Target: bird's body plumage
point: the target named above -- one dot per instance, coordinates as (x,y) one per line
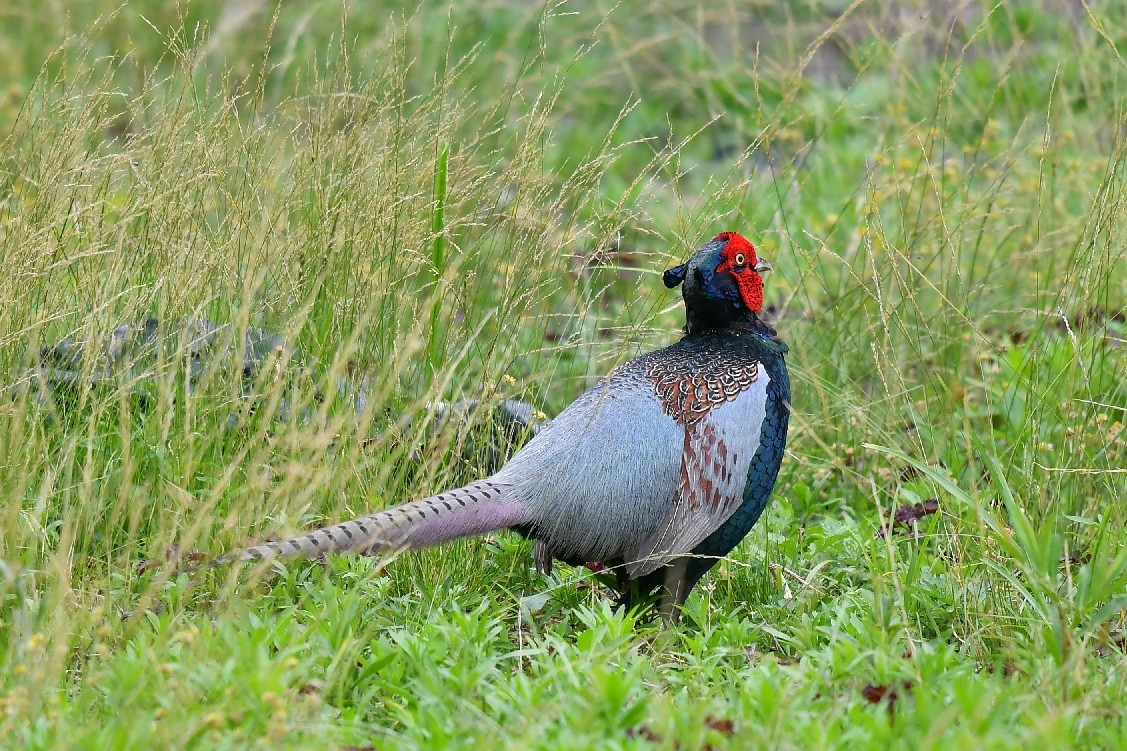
(654,458)
(659,470)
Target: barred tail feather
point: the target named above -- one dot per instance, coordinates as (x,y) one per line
(479,507)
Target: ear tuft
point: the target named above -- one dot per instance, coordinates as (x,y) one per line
(674,276)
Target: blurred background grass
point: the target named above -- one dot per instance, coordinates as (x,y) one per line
(940,189)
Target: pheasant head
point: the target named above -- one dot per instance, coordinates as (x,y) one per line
(722,283)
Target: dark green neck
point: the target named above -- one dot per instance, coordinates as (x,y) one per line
(722,317)
(714,315)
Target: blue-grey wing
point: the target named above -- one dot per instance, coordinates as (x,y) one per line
(601,477)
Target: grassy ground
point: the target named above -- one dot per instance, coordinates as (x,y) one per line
(940,189)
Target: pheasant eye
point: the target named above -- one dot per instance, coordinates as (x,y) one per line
(739,260)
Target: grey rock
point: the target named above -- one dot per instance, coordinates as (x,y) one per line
(131,356)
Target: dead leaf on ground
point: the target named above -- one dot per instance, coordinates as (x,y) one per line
(643,731)
(716,724)
(905,517)
(889,693)
(720,725)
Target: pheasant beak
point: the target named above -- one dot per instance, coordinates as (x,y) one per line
(763,266)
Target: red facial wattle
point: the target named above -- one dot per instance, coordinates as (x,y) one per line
(739,259)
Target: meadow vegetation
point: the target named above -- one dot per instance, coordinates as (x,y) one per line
(476,200)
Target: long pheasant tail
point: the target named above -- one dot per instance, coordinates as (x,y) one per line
(479,507)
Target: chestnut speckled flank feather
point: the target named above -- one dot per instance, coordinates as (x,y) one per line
(688,389)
